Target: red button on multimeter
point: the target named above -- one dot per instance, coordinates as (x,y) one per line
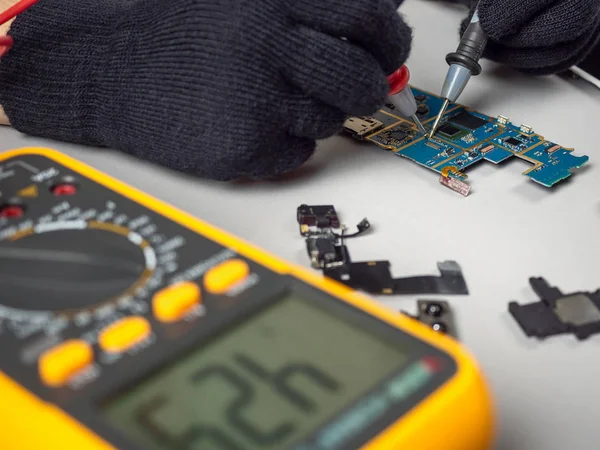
(64,189)
(12,211)
(131,325)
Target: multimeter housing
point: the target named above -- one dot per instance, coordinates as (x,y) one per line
(431,396)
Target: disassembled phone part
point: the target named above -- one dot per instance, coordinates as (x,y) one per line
(437,314)
(463,138)
(557,313)
(375,277)
(325,234)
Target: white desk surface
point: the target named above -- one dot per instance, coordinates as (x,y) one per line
(506,231)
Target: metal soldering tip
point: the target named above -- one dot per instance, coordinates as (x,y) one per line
(439,117)
(418,123)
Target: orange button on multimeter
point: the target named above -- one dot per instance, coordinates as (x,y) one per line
(220,278)
(58,365)
(124,334)
(174,302)
(291,361)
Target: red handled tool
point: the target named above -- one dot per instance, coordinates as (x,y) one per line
(402,97)
(6,42)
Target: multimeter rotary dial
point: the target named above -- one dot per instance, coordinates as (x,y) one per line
(66,267)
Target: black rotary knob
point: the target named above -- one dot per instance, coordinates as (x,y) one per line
(68,266)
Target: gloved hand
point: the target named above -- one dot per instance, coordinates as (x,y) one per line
(538,36)
(221,89)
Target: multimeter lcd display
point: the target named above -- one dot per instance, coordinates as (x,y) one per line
(269,383)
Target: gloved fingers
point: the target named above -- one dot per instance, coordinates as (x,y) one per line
(563,21)
(311,118)
(280,156)
(375,25)
(334,71)
(546,60)
(506,18)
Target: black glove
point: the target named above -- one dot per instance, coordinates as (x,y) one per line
(538,36)
(217,88)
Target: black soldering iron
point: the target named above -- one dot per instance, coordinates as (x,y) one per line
(464,63)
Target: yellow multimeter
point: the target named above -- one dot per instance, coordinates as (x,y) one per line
(127,324)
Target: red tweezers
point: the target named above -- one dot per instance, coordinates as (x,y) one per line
(6,42)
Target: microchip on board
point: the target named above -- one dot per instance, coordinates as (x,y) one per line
(398,134)
(467,120)
(448,130)
(513,141)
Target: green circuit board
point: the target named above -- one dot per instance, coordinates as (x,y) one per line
(463,138)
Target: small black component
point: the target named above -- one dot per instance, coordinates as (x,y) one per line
(319,216)
(467,120)
(420,98)
(434,309)
(436,314)
(422,109)
(322,251)
(448,130)
(557,313)
(326,253)
(512,141)
(324,234)
(524,137)
(398,134)
(439,326)
(473,155)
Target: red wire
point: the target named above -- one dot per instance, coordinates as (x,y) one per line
(6,42)
(15,10)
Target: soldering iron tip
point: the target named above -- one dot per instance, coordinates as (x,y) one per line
(418,123)
(439,117)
